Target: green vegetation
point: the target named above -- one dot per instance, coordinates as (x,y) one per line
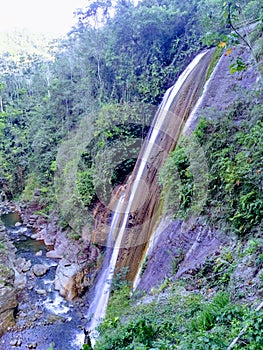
(133,55)
(112,71)
(234,158)
(118,135)
(179,320)
(206,309)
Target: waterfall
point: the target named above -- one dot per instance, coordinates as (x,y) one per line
(140,201)
(143,192)
(157,125)
(99,304)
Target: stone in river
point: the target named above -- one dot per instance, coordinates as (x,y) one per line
(41,291)
(40,270)
(39,253)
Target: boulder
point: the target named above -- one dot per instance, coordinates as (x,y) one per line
(39,253)
(55,254)
(40,270)
(8,300)
(65,281)
(26,266)
(20,280)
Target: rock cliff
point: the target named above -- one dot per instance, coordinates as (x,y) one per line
(8,300)
(175,250)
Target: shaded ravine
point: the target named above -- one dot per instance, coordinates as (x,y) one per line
(139,205)
(43,317)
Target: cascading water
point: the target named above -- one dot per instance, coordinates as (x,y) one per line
(98,307)
(142,195)
(157,127)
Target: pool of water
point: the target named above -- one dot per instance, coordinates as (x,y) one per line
(10,219)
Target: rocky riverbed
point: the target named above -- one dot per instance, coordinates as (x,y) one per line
(34,315)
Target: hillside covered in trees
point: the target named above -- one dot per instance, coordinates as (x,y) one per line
(118,55)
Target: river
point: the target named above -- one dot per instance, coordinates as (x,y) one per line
(44,320)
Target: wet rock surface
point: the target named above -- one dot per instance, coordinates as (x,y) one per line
(77,258)
(143,205)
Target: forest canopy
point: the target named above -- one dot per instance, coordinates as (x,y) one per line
(119,55)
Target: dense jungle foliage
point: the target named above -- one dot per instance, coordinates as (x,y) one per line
(119,55)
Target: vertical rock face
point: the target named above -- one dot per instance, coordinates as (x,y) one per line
(182,250)
(145,203)
(8,300)
(223,88)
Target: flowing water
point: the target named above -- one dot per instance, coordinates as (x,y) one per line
(43,317)
(129,202)
(97,310)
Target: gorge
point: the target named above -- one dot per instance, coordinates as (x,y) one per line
(131,178)
(136,209)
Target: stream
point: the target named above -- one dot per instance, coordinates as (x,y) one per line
(44,320)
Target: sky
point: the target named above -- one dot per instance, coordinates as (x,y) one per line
(44,16)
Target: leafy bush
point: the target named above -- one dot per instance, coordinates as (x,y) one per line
(177,180)
(85,186)
(179,322)
(253,335)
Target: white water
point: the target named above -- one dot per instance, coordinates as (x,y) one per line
(160,117)
(194,113)
(168,99)
(98,307)
(102,292)
(56,305)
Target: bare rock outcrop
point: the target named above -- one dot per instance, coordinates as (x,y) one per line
(72,279)
(177,250)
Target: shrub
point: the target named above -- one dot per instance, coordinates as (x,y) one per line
(234,159)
